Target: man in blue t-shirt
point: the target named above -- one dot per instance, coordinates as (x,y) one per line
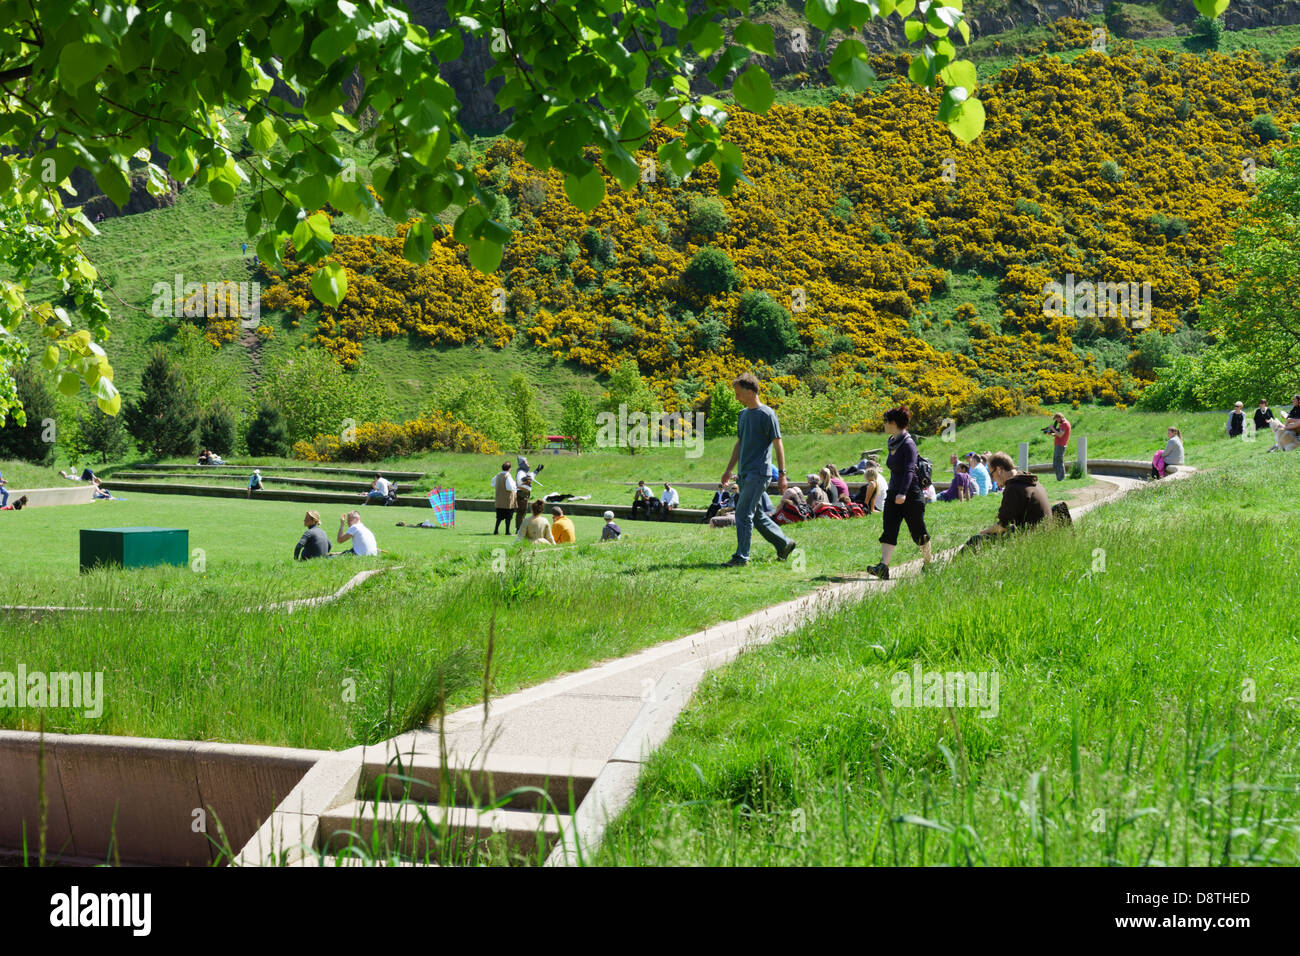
(757,433)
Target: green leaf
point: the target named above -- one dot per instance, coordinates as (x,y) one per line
(112,404)
(81,62)
(329,46)
(905,8)
(330,284)
(849,66)
(918,71)
(584,191)
(913,29)
(69,383)
(967,120)
(960,73)
(1210,8)
(709,39)
(313,191)
(262,135)
(755,36)
(753,90)
(221,191)
(50,360)
(484,255)
(820,13)
(623,167)
(419,240)
(183,165)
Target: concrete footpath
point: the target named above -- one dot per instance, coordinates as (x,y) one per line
(586,715)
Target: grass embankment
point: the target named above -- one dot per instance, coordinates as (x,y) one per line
(1146,715)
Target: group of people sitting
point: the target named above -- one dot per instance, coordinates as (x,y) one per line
(207,457)
(315,543)
(538,530)
(1286,432)
(646,505)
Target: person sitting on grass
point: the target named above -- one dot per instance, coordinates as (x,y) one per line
(363,539)
(1237,421)
(255,482)
(835,481)
(611,531)
(4,493)
(1024,501)
(98,491)
(872,493)
(828,488)
(962,486)
(816,495)
(314,543)
(1263,415)
(1292,423)
(1172,454)
(668,501)
(18,505)
(562,529)
(523,494)
(536,529)
(979,473)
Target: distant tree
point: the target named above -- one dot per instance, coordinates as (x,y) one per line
(764,329)
(521,403)
(217,428)
(29,433)
(267,434)
(475,399)
(628,394)
(100,434)
(1265,127)
(578,420)
(164,421)
(706,216)
(724,411)
(711,272)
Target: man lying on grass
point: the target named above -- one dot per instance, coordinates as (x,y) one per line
(1024,501)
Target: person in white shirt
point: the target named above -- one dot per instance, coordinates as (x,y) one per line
(668,500)
(379,490)
(363,539)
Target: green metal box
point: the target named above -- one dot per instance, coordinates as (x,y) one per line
(134,547)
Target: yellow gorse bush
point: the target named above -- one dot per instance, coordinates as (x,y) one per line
(1119,168)
(374,441)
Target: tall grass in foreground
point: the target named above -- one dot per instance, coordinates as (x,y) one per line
(1147,714)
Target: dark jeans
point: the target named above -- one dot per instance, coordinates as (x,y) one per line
(1058,461)
(913,512)
(640,505)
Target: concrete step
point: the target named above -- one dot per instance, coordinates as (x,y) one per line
(420,777)
(331,484)
(363,472)
(416,831)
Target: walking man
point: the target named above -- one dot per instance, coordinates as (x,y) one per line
(1060,432)
(503,493)
(758,433)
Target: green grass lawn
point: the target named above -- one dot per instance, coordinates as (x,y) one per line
(186,659)
(1146,712)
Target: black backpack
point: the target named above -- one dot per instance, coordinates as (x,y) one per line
(924,471)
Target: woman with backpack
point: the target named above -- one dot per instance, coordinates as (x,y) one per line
(905,497)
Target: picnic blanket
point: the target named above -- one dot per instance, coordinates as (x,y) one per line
(443,503)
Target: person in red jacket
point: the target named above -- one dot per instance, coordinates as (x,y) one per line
(1060,432)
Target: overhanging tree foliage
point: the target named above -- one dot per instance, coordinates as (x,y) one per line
(97,85)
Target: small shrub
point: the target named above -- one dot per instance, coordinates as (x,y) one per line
(1111,171)
(1265,127)
(711,272)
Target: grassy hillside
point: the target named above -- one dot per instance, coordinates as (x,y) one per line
(1145,711)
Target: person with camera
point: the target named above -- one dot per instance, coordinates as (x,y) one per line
(1024,501)
(1060,432)
(905,497)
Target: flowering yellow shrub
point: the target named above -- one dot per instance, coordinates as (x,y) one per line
(1120,168)
(434,431)
(218,305)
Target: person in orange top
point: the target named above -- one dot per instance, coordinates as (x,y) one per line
(562,528)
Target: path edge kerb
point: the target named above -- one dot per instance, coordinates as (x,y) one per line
(616,784)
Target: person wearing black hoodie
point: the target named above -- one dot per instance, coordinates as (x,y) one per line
(905,497)
(1024,501)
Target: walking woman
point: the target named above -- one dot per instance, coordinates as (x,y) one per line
(905,498)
